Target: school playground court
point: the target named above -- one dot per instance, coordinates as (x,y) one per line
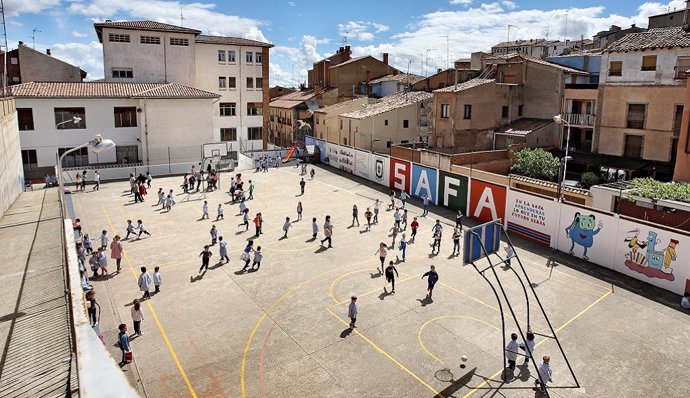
(282,331)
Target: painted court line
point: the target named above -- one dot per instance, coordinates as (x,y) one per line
(155,318)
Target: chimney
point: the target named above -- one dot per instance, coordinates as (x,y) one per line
(21,43)
(108,20)
(48,51)
(385,58)
(632,26)
(348,54)
(439,70)
(317,89)
(368,78)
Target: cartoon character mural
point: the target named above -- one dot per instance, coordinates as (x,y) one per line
(653,263)
(581,232)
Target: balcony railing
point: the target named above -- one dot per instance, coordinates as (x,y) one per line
(580,119)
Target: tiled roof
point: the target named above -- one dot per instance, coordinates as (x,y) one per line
(554,65)
(522,127)
(108,90)
(464,86)
(550,184)
(651,39)
(297,96)
(523,43)
(233,41)
(146,25)
(284,104)
(351,60)
(400,77)
(389,103)
(339,105)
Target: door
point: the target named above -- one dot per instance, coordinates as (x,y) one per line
(633,146)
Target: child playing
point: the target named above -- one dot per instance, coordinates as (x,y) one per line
(286,226)
(223,249)
(257,258)
(102,261)
(157,279)
(204,209)
(130,229)
(312,173)
(169,201)
(161,197)
(214,234)
(245,220)
(86,241)
(219,212)
(205,258)
(314,228)
(368,214)
(299,211)
(104,239)
(142,229)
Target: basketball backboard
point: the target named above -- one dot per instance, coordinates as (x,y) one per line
(215,149)
(488,235)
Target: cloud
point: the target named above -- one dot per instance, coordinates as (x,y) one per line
(359,30)
(289,65)
(461,2)
(80,34)
(87,56)
(198,15)
(509,5)
(291,3)
(16,7)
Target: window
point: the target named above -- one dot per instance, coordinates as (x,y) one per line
(123,73)
(250,57)
(406,124)
(250,82)
(231,56)
(125,116)
(385,122)
(341,124)
(677,120)
(231,82)
(150,40)
(126,154)
(227,109)
(316,117)
(25,117)
(649,62)
(221,56)
(258,57)
(445,111)
(179,41)
(423,121)
(682,66)
(259,83)
(222,82)
(29,160)
(520,109)
(616,68)
(64,118)
(14,60)
(228,134)
(77,158)
(468,112)
(256,133)
(255,108)
(636,116)
(118,38)
(505,111)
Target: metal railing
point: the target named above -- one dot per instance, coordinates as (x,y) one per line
(580,119)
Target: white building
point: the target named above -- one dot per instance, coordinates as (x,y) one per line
(150,123)
(234,68)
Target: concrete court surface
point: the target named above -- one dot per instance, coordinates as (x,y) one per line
(282,331)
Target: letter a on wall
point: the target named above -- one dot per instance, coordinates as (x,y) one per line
(487,201)
(424,181)
(400,171)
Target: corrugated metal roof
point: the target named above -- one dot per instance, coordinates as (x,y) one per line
(522,127)
(108,90)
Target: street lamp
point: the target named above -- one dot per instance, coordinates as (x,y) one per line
(98,145)
(559,120)
(74,119)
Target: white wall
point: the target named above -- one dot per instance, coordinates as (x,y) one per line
(100,119)
(632,64)
(209,69)
(151,63)
(12,176)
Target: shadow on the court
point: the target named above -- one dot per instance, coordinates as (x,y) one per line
(456,385)
(345,333)
(426,301)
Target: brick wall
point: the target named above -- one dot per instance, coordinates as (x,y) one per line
(679,219)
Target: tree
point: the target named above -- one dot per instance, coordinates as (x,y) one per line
(536,163)
(588,179)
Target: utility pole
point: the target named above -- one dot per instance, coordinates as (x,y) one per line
(33,37)
(181,17)
(508,41)
(427,61)
(565,30)
(447,50)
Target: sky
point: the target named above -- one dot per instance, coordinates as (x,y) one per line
(420,35)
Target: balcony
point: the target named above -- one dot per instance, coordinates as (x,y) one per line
(580,119)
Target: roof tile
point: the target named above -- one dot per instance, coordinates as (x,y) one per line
(651,39)
(389,103)
(233,41)
(146,25)
(108,90)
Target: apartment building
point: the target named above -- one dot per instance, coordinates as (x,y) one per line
(444,78)
(24,64)
(391,84)
(326,121)
(234,68)
(150,123)
(538,48)
(512,101)
(641,95)
(395,119)
(291,114)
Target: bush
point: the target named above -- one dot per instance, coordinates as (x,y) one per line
(655,190)
(588,179)
(536,163)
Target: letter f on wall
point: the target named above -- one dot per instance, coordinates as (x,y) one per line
(448,191)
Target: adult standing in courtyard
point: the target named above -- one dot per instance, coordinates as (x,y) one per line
(116,251)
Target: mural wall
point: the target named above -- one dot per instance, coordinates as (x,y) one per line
(647,253)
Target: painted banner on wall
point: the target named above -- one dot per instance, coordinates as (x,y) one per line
(363,164)
(487,201)
(652,255)
(424,181)
(587,234)
(452,191)
(380,169)
(323,154)
(341,157)
(531,216)
(400,173)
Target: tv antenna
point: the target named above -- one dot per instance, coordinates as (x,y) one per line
(182,18)
(33,37)
(347,32)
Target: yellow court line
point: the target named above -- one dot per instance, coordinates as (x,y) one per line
(606,288)
(155,318)
(421,329)
(589,307)
(243,368)
(384,353)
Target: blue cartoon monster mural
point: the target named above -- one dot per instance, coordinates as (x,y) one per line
(582,231)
